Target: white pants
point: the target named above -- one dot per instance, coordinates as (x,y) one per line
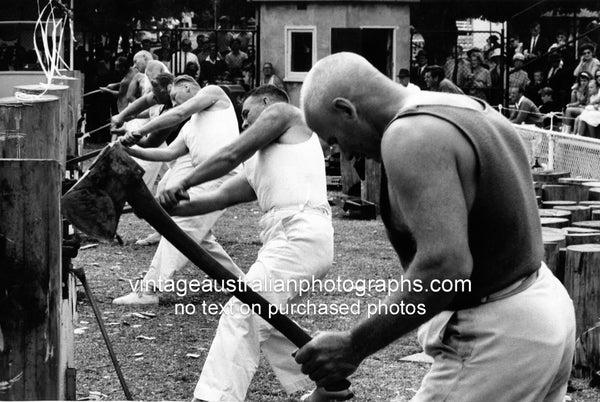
(167,258)
(296,246)
(518,348)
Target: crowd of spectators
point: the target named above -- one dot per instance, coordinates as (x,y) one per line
(551,83)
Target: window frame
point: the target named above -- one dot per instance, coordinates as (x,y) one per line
(298,76)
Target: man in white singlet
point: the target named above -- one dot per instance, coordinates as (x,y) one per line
(287,177)
(212,125)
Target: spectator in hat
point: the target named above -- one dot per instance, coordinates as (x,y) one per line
(587,62)
(495,66)
(418,71)
(525,111)
(437,82)
(518,77)
(404,80)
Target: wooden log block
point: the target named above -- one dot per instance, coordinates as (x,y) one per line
(595,215)
(582,281)
(371,186)
(549,176)
(563,192)
(590,184)
(575,229)
(595,225)
(74,109)
(30,252)
(560,270)
(574,180)
(554,222)
(553,239)
(592,204)
(594,194)
(62,93)
(552,204)
(30,130)
(350,178)
(587,353)
(578,212)
(537,186)
(554,213)
(582,238)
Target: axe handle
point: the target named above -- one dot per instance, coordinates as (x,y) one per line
(84,157)
(146,207)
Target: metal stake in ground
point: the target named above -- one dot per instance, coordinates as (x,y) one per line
(80,274)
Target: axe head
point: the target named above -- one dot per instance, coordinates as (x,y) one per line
(94,204)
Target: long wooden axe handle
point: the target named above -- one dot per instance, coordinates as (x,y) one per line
(147,208)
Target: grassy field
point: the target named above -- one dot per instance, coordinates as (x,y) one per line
(161,357)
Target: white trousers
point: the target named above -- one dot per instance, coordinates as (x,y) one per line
(167,258)
(296,246)
(518,348)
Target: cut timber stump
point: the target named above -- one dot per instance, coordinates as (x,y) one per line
(554,213)
(587,353)
(595,225)
(61,92)
(554,222)
(30,279)
(553,239)
(574,180)
(549,176)
(582,280)
(74,109)
(31,128)
(578,212)
(594,194)
(552,204)
(563,192)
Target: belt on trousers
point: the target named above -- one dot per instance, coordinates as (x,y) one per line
(319,209)
(512,289)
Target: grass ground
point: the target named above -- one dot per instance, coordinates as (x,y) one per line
(165,365)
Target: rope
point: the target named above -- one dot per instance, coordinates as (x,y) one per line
(544,115)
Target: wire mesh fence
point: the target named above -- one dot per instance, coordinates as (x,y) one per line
(564,152)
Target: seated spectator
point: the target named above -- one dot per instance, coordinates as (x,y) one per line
(181,58)
(514,46)
(212,67)
(587,62)
(235,59)
(580,97)
(532,90)
(548,107)
(535,45)
(270,78)
(518,78)
(589,119)
(404,80)
(478,80)
(436,81)
(558,79)
(525,111)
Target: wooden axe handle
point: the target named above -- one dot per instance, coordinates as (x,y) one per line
(146,207)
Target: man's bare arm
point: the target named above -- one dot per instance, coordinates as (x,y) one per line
(270,125)
(176,149)
(421,158)
(234,191)
(134,109)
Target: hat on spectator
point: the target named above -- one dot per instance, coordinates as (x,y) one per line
(403,73)
(473,50)
(519,56)
(586,75)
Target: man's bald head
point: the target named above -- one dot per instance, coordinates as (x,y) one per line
(154,68)
(141,60)
(342,98)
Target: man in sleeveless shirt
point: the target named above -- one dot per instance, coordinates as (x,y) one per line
(212,125)
(458,204)
(284,170)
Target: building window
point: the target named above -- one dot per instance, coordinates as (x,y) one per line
(300,51)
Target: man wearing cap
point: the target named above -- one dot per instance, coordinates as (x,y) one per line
(404,80)
(436,82)
(588,62)
(418,72)
(518,77)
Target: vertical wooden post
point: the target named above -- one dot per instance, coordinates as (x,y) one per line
(582,280)
(349,176)
(371,186)
(578,212)
(62,92)
(38,121)
(30,279)
(553,239)
(74,109)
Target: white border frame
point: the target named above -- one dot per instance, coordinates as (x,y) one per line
(298,76)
